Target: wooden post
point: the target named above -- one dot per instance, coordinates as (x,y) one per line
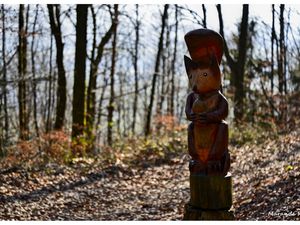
(207,108)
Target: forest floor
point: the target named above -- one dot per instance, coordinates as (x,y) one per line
(266,185)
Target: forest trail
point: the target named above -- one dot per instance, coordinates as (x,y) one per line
(266,180)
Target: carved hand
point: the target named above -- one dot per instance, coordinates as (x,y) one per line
(198,117)
(212,117)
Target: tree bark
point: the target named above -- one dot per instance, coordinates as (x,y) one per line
(281,74)
(90,105)
(22,69)
(242,51)
(135,66)
(229,59)
(5,106)
(237,66)
(111,104)
(55,24)
(98,123)
(165,73)
(120,105)
(174,63)
(79,72)
(273,37)
(48,121)
(95,61)
(156,71)
(33,74)
(204,16)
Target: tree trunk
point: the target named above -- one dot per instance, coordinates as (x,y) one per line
(6,124)
(242,50)
(111,103)
(33,74)
(273,37)
(55,24)
(48,122)
(120,105)
(173,64)
(156,70)
(135,66)
(95,61)
(79,72)
(22,49)
(98,123)
(204,16)
(166,71)
(237,66)
(281,74)
(90,105)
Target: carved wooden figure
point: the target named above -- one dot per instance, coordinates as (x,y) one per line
(207,108)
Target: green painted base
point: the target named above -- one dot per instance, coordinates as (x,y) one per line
(211,192)
(192,213)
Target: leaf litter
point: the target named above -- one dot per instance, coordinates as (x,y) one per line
(266,186)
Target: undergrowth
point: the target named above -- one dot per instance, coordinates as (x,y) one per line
(253,133)
(165,142)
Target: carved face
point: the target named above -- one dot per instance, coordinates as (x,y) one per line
(203,77)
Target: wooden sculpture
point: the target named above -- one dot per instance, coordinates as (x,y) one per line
(207,108)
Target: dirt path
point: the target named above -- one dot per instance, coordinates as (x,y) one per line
(266,186)
(118,193)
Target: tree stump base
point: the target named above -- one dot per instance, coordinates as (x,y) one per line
(193,213)
(211,198)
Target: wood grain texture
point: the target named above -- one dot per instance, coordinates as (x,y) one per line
(211,192)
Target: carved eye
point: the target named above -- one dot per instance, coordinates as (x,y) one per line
(205,74)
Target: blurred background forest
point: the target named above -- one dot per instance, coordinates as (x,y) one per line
(78,79)
(92,122)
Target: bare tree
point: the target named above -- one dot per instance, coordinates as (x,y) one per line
(100,104)
(5,106)
(49,86)
(96,57)
(110,107)
(135,66)
(273,38)
(237,66)
(171,111)
(22,69)
(163,86)
(79,72)
(204,16)
(55,24)
(156,70)
(34,84)
(282,54)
